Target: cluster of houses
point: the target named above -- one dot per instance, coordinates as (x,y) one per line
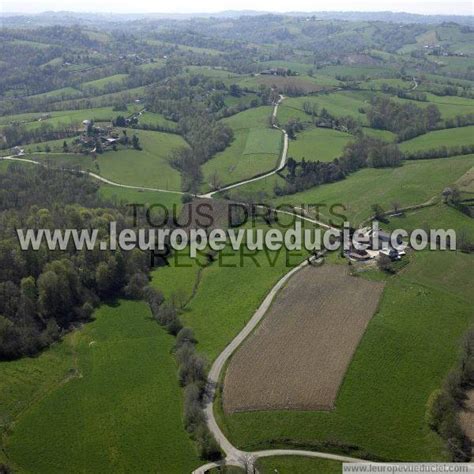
(439,50)
(93,134)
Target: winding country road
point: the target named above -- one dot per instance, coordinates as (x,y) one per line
(282,164)
(233,456)
(92,175)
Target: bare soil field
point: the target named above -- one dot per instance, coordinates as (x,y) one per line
(297,357)
(210,214)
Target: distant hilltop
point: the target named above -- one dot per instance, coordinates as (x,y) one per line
(67,17)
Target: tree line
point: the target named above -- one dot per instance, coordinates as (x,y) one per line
(361,153)
(439,152)
(192,368)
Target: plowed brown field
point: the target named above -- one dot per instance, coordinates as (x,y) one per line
(297,357)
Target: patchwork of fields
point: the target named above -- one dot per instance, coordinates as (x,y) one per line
(409,346)
(292,361)
(346,357)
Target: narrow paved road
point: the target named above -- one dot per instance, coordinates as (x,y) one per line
(281,165)
(233,456)
(92,175)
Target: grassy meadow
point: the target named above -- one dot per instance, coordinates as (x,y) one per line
(148,167)
(318,144)
(448,137)
(255,149)
(336,103)
(104,399)
(252,276)
(135,196)
(439,216)
(414,182)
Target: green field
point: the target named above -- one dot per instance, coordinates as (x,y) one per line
(101,84)
(287,112)
(56,146)
(413,183)
(298,465)
(377,84)
(337,104)
(321,144)
(385,135)
(216,315)
(66,160)
(357,71)
(104,399)
(440,216)
(209,71)
(264,141)
(64,93)
(448,106)
(31,44)
(255,149)
(98,114)
(448,137)
(150,118)
(148,167)
(407,350)
(179,279)
(258,117)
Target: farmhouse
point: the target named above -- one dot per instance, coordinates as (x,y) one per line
(374,243)
(18,151)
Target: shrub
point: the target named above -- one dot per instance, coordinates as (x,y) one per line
(135,287)
(185,336)
(4,469)
(193,414)
(207,445)
(193,370)
(186,197)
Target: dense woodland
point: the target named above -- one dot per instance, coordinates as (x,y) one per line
(43,293)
